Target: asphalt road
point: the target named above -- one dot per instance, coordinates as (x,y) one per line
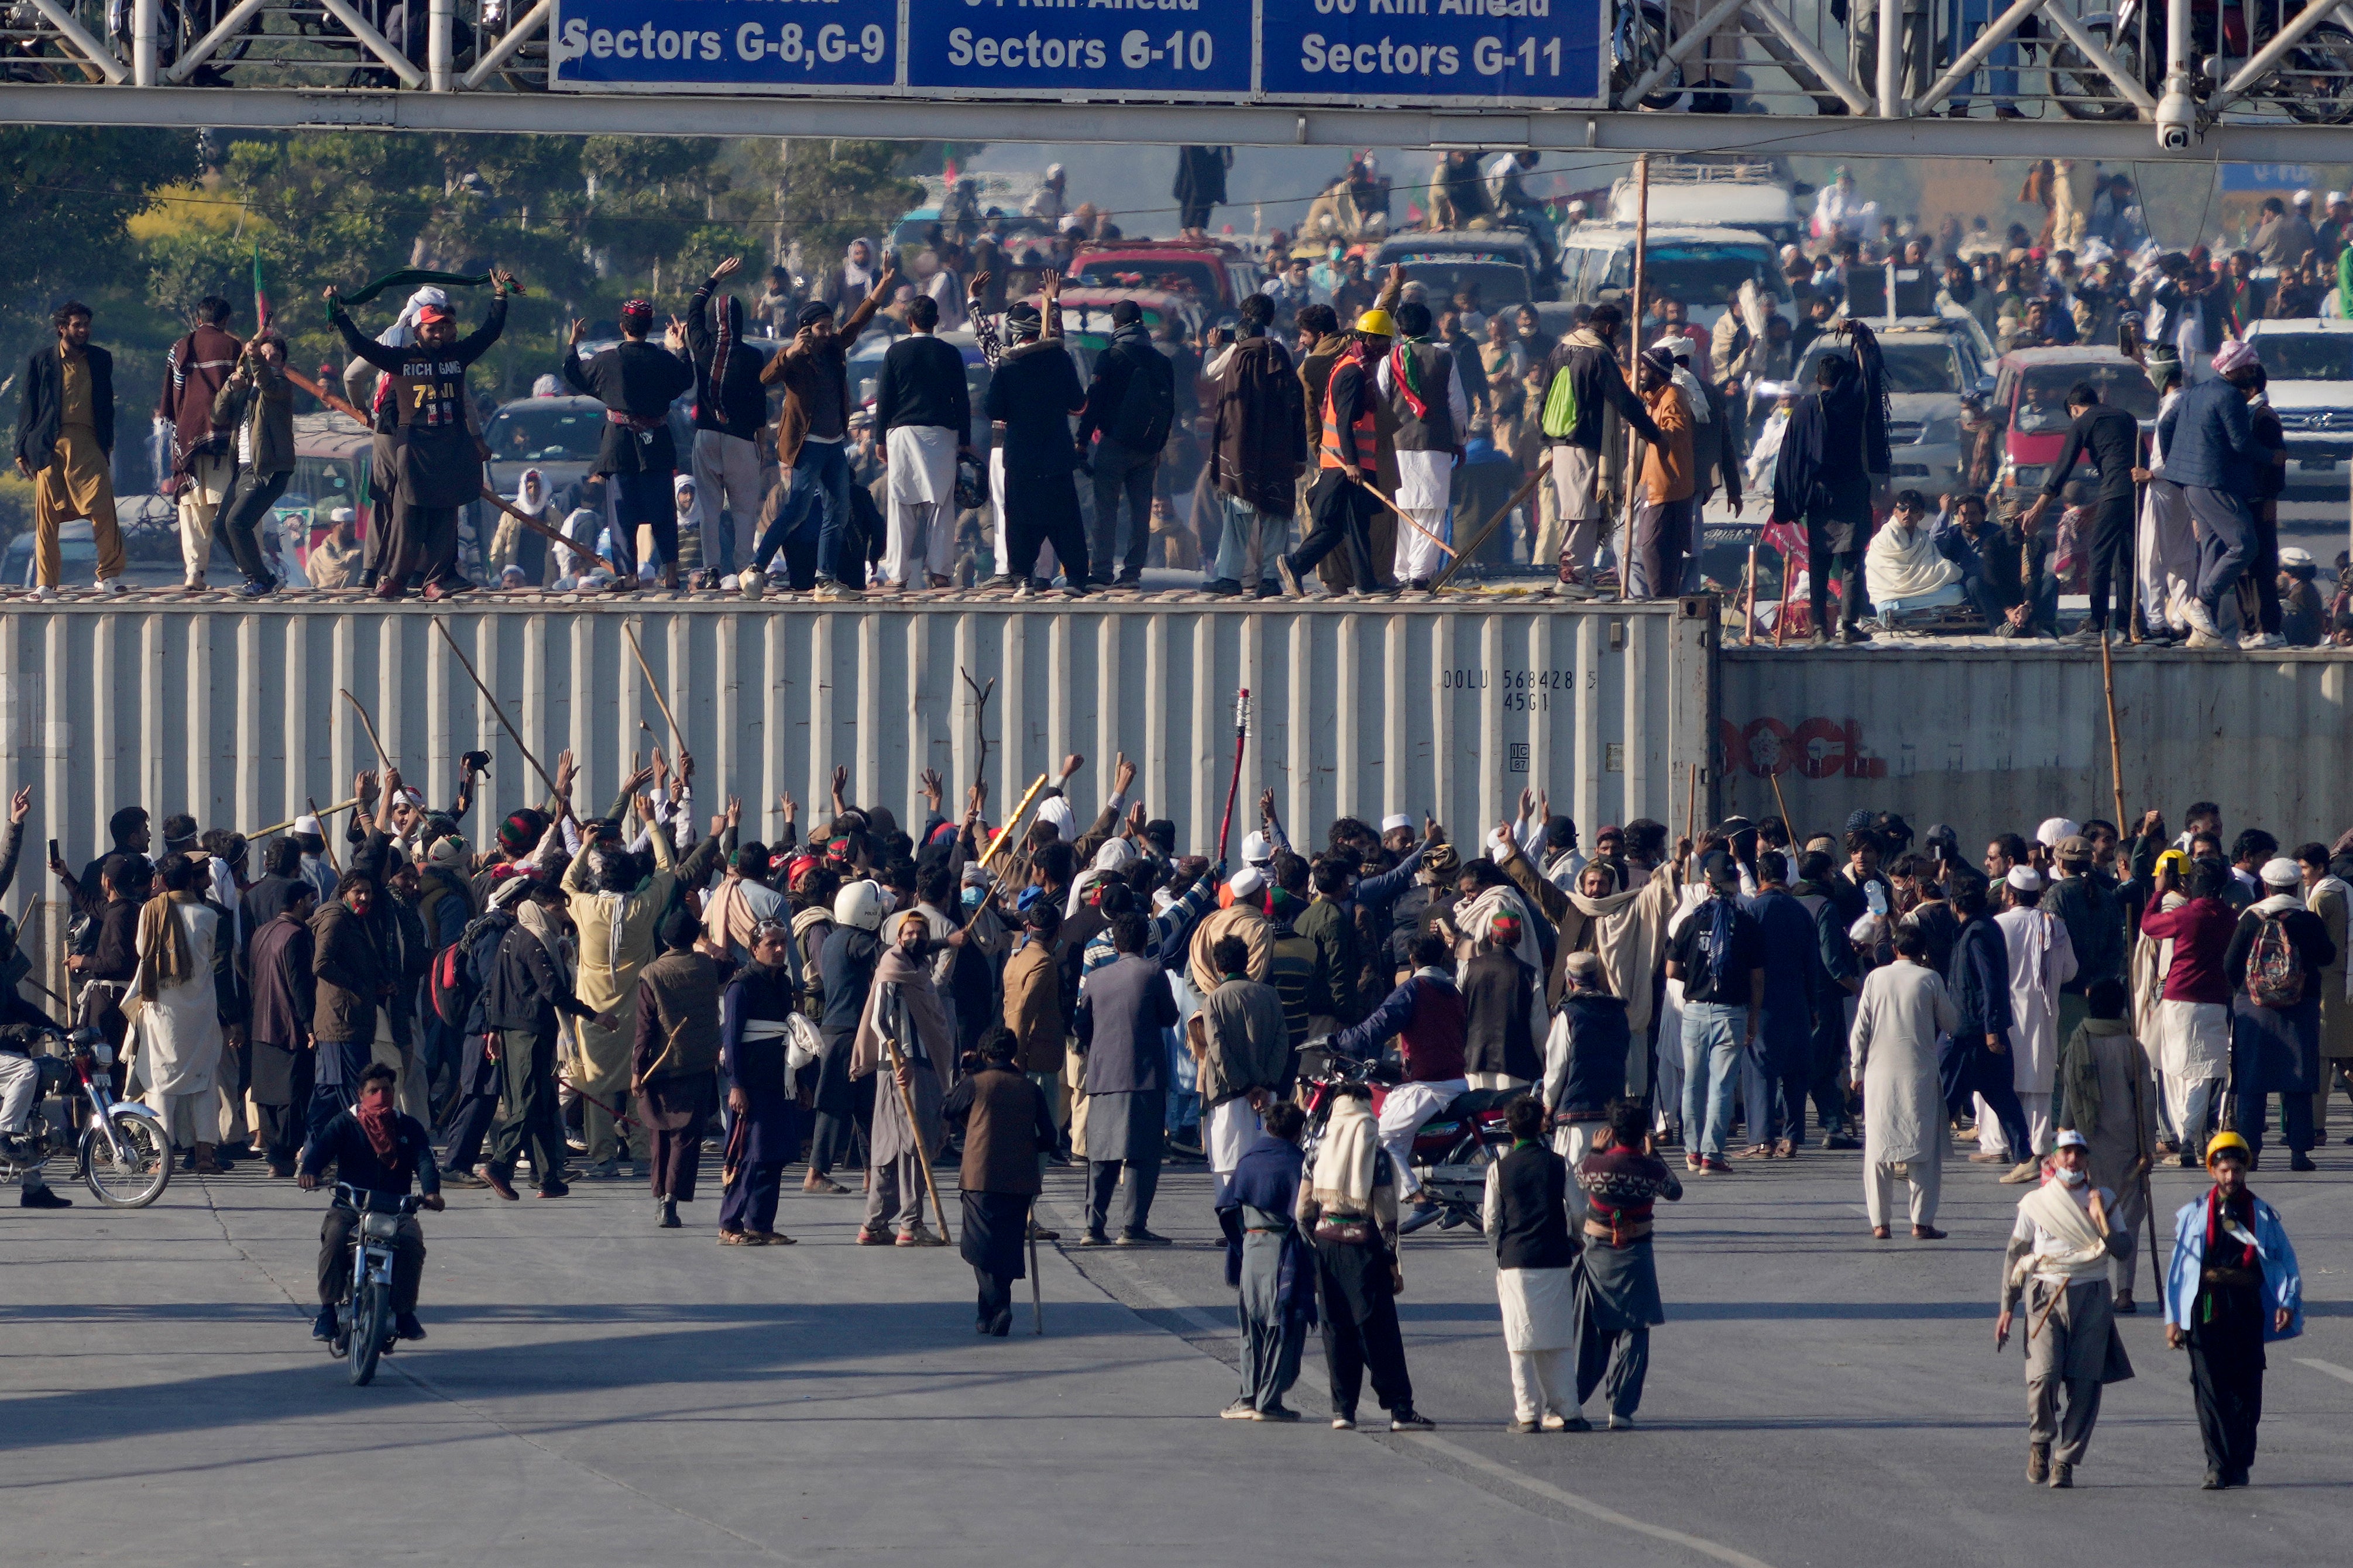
(596,1391)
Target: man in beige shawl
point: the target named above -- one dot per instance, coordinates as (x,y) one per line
(2057,1263)
(1349,1207)
(178,1000)
(1627,930)
(904,1034)
(614,907)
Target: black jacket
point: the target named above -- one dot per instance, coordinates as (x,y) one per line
(526,990)
(738,406)
(344,1142)
(923,384)
(1497,990)
(1033,393)
(1599,1040)
(1595,376)
(1979,979)
(1534,1230)
(2112,438)
(2306,933)
(1129,355)
(640,380)
(41,412)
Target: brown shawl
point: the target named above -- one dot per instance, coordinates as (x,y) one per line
(922,1000)
(164,956)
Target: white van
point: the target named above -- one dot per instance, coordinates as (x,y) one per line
(1702,265)
(1750,195)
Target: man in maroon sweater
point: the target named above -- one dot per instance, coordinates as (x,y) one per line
(2192,1033)
(1427,1016)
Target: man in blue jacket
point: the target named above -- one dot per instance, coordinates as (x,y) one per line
(2233,1286)
(2208,440)
(1977,1059)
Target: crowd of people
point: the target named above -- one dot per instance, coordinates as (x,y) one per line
(609,998)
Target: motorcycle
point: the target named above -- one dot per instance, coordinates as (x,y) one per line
(123,1156)
(1451,1153)
(363,1332)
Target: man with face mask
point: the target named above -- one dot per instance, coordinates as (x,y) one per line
(440,461)
(2057,1261)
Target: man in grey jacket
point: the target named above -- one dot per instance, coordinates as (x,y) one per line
(1123,1008)
(1244,1047)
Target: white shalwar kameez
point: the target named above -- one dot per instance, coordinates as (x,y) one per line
(922,464)
(2042,959)
(179,1037)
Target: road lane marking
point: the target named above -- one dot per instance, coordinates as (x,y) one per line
(1586,1506)
(2342,1374)
(1169,1301)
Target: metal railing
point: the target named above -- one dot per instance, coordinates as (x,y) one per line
(2279,61)
(431,46)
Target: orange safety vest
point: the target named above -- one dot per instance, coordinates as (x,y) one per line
(1366,451)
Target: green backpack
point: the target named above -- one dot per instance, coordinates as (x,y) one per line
(1560,406)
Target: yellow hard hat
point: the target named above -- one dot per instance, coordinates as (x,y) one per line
(2227,1144)
(1376,322)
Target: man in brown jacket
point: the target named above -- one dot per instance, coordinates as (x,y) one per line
(1006,1132)
(673,1060)
(812,445)
(1258,446)
(1033,1008)
(352,984)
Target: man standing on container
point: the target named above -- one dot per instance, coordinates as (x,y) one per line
(65,444)
(924,411)
(1424,397)
(636,457)
(729,409)
(1836,442)
(203,459)
(2208,439)
(1575,423)
(812,441)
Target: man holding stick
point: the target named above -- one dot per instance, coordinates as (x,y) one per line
(904,1032)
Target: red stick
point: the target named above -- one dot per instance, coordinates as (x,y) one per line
(1241,731)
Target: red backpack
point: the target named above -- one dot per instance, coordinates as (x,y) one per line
(2274,973)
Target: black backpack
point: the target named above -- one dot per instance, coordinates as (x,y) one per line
(1147,409)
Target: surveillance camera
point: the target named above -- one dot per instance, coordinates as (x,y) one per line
(2177,121)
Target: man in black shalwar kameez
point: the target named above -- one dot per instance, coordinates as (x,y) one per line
(1834,451)
(767,1134)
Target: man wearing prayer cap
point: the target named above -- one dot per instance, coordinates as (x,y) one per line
(2057,1264)
(311,839)
(2274,965)
(2212,453)
(2042,959)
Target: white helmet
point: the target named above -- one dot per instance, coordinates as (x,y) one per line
(1258,849)
(859,904)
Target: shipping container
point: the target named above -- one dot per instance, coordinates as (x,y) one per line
(236,715)
(1997,739)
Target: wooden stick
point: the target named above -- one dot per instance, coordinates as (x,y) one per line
(2115,751)
(1778,800)
(499,713)
(678,739)
(1037,1300)
(1690,801)
(1633,358)
(915,1129)
(1748,616)
(980,696)
(532,522)
(1409,519)
(333,400)
(383,755)
(321,815)
(1006,832)
(326,840)
(1471,549)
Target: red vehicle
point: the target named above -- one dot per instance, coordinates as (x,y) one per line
(1212,271)
(1452,1151)
(2030,397)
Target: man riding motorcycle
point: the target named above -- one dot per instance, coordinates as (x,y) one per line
(22,1026)
(377,1149)
(1426,1016)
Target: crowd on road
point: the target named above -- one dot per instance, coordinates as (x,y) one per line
(609,998)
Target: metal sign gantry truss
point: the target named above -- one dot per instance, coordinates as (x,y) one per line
(2038,78)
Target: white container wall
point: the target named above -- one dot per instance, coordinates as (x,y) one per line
(1994,741)
(234,715)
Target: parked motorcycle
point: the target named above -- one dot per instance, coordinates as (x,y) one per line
(1450,1153)
(364,1330)
(124,1154)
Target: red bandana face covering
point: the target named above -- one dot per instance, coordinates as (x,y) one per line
(375,1118)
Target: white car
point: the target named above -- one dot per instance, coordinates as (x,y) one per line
(2310,364)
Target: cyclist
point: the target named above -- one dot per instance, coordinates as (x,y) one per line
(377,1149)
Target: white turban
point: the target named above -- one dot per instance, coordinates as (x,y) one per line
(2232,356)
(1056,809)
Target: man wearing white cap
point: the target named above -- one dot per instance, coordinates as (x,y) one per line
(2334,230)
(2274,965)
(2046,840)
(2042,959)
(314,870)
(2057,1260)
